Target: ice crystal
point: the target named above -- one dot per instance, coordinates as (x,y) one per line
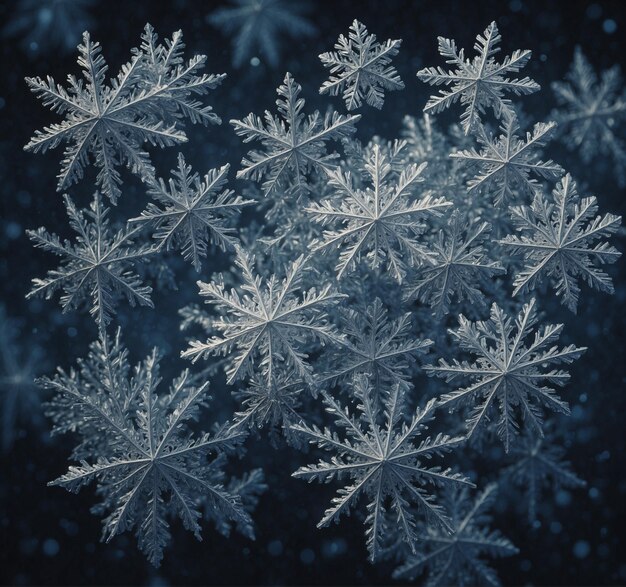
(195,212)
(99,265)
(378,222)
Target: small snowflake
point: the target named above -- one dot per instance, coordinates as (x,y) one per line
(478,83)
(359,68)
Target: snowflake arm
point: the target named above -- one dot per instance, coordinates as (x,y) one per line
(145,103)
(268,322)
(511,373)
(479,83)
(293,144)
(505,164)
(99,265)
(360,68)
(457,265)
(195,212)
(384,460)
(379,222)
(558,240)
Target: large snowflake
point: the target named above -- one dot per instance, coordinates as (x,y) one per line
(511,373)
(386,459)
(270,321)
(479,83)
(146,102)
(379,222)
(561,240)
(141,451)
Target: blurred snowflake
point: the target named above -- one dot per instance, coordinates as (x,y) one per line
(257,25)
(44,25)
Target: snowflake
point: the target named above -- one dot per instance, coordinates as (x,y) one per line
(506,163)
(456,558)
(557,241)
(378,222)
(146,451)
(49,24)
(359,68)
(271,401)
(146,102)
(293,145)
(381,457)
(194,211)
(98,265)
(457,264)
(479,83)
(540,463)
(593,115)
(376,345)
(269,320)
(510,372)
(258,24)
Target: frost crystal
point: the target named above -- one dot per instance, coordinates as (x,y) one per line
(146,102)
(479,83)
(456,558)
(195,212)
(385,458)
(558,241)
(376,345)
(510,371)
(456,266)
(359,68)
(539,464)
(49,24)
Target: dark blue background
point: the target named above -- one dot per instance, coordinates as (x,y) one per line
(48,536)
